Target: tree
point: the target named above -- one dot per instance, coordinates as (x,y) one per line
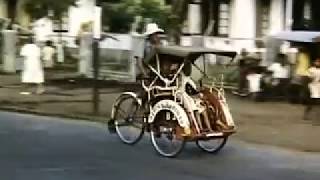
(176,17)
(119,16)
(40,8)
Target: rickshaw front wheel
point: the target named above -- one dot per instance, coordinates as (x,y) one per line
(212,145)
(129,119)
(163,135)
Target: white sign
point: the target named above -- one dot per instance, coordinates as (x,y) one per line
(173,107)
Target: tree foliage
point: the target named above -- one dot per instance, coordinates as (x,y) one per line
(39,8)
(120,16)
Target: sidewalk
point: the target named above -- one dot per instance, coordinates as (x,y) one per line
(66,96)
(273,123)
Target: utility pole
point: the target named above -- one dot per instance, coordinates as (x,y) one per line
(95,64)
(95,58)
(97,37)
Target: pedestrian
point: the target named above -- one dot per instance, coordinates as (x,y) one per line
(32,72)
(280,75)
(243,66)
(314,87)
(298,89)
(48,52)
(254,78)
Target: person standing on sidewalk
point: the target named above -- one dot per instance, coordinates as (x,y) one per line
(32,72)
(48,52)
(314,88)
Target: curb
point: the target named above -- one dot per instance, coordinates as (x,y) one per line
(91,118)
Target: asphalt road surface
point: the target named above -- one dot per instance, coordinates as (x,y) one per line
(43,148)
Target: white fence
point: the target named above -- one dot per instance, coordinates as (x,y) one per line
(117,57)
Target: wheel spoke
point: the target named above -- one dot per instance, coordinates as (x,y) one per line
(122,112)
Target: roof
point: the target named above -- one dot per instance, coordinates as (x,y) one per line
(298,36)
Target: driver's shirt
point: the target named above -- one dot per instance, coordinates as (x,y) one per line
(149,50)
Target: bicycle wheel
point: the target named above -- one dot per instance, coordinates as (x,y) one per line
(128,120)
(212,145)
(163,134)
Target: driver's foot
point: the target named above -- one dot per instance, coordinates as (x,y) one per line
(187,132)
(111,126)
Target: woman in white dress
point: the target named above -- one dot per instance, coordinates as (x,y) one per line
(32,72)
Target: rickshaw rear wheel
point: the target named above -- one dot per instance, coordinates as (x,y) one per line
(129,119)
(212,145)
(163,135)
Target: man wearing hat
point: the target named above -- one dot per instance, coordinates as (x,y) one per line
(152,42)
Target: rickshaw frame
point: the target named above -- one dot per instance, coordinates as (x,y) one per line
(166,92)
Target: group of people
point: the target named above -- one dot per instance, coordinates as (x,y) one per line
(35,59)
(279,79)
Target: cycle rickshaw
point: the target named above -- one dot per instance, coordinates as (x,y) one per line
(173,109)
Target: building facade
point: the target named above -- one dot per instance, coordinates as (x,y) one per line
(10,9)
(241,23)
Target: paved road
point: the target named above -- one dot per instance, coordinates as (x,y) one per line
(54,149)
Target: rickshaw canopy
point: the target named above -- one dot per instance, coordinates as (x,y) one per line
(190,54)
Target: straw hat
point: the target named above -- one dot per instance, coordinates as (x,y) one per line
(152,28)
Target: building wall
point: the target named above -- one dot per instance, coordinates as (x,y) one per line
(277,16)
(194,19)
(243,22)
(245,26)
(22,17)
(3,8)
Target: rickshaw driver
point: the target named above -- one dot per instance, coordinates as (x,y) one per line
(153,41)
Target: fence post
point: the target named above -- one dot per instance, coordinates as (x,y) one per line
(85,53)
(9,50)
(95,64)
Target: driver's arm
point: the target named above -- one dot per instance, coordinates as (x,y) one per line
(141,66)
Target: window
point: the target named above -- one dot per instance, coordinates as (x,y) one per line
(307,10)
(263,17)
(265,21)
(223,19)
(64,23)
(216,17)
